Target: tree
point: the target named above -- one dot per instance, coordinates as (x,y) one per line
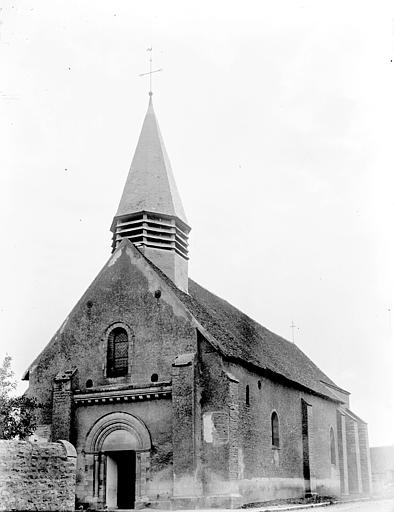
(17,413)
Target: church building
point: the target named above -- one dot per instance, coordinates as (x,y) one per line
(172,397)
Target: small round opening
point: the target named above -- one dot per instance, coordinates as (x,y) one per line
(259,384)
(154,377)
(89,383)
(158,294)
(89,304)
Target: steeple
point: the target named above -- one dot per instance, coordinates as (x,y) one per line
(150,212)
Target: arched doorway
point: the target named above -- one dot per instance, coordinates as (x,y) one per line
(121,444)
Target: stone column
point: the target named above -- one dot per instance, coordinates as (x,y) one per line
(141,477)
(101,478)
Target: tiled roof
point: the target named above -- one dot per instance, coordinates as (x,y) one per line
(242,338)
(352,415)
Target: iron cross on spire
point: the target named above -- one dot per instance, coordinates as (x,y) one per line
(150,72)
(292,327)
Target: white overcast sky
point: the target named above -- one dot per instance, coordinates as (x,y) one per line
(278,119)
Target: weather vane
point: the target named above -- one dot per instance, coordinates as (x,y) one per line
(150,72)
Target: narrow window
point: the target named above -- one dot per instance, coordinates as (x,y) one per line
(275,430)
(247,397)
(117,353)
(332,446)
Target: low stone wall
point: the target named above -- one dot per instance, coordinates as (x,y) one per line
(37,476)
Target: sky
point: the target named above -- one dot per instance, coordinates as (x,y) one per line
(277,117)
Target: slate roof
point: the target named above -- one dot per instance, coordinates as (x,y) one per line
(150,185)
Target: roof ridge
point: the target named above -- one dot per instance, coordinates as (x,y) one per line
(270,346)
(233,333)
(74,308)
(165,158)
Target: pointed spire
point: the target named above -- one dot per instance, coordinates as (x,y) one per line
(150,212)
(150,185)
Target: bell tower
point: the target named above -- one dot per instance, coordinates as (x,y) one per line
(150,212)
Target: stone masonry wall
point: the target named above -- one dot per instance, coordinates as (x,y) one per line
(353,456)
(220,415)
(157,416)
(62,406)
(37,476)
(342,453)
(186,481)
(365,462)
(266,472)
(123,294)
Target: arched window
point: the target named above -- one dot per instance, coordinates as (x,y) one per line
(275,430)
(247,395)
(332,446)
(117,353)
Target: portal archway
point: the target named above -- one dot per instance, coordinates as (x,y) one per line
(120,443)
(116,421)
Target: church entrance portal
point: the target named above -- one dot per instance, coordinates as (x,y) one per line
(120,479)
(120,446)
